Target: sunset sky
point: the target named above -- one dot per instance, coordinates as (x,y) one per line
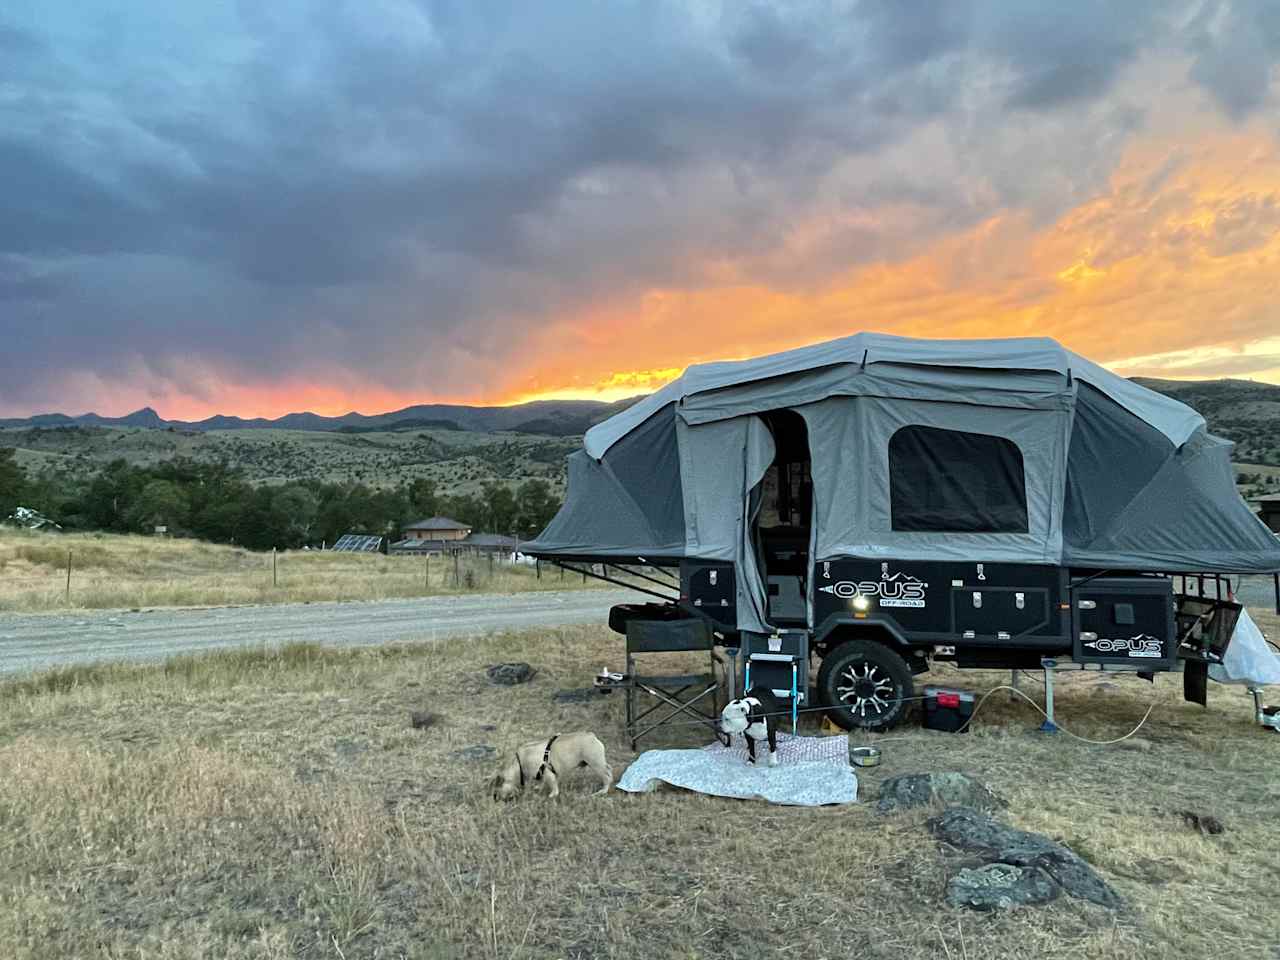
(260,208)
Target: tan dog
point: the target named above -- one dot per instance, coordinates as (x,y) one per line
(546,761)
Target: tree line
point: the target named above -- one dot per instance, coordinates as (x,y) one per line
(213,501)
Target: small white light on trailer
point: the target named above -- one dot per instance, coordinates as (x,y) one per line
(860,602)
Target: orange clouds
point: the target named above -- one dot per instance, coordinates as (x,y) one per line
(1173,270)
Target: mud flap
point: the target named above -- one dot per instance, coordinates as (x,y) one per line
(1195,681)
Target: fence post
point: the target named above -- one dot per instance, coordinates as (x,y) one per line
(537,565)
(275,580)
(68,576)
(426,572)
(457,577)
(491,564)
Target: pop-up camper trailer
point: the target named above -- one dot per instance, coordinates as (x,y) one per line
(880,502)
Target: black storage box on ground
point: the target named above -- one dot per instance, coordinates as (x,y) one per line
(947,710)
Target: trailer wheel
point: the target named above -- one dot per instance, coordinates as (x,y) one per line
(867,685)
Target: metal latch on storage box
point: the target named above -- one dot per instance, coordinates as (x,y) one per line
(1088,604)
(977,599)
(1087,636)
(1020,601)
(714,575)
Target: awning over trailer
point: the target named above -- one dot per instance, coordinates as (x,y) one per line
(629,504)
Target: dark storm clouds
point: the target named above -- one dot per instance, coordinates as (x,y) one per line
(193,198)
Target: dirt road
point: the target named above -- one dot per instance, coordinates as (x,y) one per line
(29,642)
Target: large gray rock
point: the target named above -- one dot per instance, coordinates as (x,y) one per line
(976,833)
(922,789)
(509,674)
(1000,886)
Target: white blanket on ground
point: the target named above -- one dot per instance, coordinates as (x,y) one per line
(811,771)
(1248,658)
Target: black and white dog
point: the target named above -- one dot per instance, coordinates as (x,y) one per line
(755,716)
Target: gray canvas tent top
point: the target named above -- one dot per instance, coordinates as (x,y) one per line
(1092,471)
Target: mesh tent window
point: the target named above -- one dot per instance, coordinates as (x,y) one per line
(949,481)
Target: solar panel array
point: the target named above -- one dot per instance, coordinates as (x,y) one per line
(357,543)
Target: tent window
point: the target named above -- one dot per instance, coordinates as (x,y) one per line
(953,482)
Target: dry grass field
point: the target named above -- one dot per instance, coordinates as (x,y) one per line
(257,804)
(113,571)
(459,461)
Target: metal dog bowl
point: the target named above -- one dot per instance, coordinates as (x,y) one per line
(865,756)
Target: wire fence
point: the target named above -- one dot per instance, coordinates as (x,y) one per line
(93,581)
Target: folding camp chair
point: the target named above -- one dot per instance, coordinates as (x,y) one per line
(683,694)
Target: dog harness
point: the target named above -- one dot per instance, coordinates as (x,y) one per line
(546,762)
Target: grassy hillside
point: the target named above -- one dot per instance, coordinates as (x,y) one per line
(121,572)
(264,805)
(460,462)
(1243,411)
(461,457)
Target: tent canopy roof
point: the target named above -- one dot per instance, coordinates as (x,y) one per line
(1028,354)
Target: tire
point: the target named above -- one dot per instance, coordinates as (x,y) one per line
(876,673)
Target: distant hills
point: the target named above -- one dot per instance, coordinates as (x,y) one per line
(556,418)
(1243,411)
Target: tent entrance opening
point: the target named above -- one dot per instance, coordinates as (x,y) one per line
(780,531)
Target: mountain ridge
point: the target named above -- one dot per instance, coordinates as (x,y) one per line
(546,417)
(1245,411)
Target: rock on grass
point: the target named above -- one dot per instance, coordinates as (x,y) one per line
(922,789)
(1000,886)
(421,719)
(974,832)
(509,674)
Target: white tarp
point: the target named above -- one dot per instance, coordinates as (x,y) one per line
(1249,659)
(811,772)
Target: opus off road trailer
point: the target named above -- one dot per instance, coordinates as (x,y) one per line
(880,502)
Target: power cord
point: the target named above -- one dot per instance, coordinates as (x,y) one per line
(1096,743)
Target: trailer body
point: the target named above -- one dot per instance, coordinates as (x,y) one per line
(877,503)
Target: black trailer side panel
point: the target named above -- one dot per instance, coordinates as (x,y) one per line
(711,588)
(946,602)
(1125,620)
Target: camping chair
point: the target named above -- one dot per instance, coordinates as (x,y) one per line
(683,695)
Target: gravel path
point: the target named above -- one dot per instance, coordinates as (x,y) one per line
(32,641)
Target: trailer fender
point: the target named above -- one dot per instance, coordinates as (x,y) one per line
(839,622)
(839,628)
